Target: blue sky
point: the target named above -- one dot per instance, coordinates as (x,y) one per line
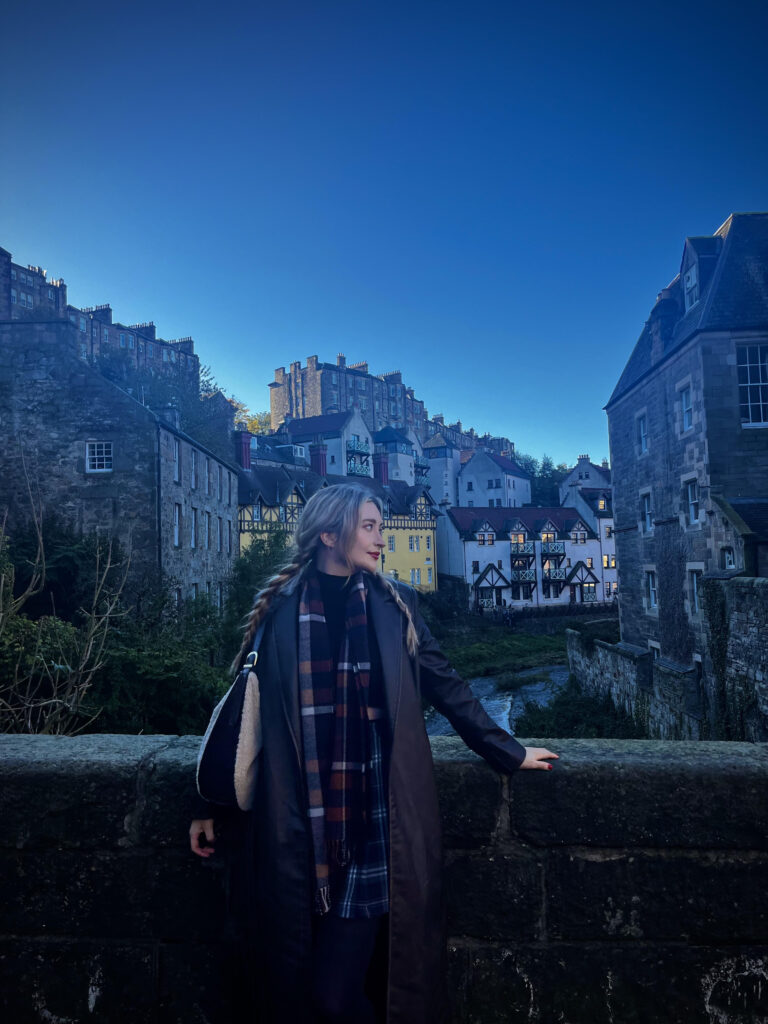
(486,196)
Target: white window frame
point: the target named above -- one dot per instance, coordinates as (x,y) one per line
(686,408)
(391,543)
(176,524)
(176,460)
(692,501)
(647,514)
(651,589)
(99,457)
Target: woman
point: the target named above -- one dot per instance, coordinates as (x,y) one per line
(345,833)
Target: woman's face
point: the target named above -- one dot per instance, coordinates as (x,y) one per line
(364,549)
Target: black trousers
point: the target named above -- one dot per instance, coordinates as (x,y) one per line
(349,969)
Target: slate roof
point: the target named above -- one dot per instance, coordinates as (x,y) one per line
(438,441)
(734,291)
(273,484)
(508,465)
(388,435)
(754,512)
(331,423)
(469,520)
(592,496)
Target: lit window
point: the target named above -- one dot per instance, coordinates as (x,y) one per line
(686,408)
(490,538)
(605,561)
(601,505)
(753,383)
(98,457)
(613,561)
(590,563)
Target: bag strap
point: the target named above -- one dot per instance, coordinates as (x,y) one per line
(252,658)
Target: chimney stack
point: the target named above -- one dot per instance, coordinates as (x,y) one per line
(381,467)
(317,458)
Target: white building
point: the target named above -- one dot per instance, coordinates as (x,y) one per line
(522,557)
(339,443)
(488,480)
(587,488)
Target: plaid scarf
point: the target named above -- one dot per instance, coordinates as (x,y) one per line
(334,729)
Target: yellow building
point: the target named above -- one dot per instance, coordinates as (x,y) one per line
(275,497)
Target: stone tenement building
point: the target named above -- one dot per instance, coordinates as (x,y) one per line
(321,388)
(688,425)
(28,296)
(95,456)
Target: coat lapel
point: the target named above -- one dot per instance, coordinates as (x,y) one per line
(387,621)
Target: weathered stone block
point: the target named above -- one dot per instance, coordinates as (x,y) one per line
(70,791)
(470,793)
(73,981)
(656,895)
(600,795)
(495,893)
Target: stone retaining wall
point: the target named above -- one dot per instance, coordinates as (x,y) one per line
(628,885)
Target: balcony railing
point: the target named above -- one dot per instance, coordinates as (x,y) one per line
(355,469)
(358,446)
(554,574)
(523,575)
(590,595)
(420,462)
(525,548)
(553,547)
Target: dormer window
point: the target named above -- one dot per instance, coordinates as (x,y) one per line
(691,286)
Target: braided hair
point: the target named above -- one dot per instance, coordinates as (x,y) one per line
(334,510)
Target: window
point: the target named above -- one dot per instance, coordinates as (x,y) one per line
(413,576)
(418,576)
(229,536)
(391,542)
(481,538)
(429,543)
(498,564)
(590,563)
(229,489)
(195,587)
(256,513)
(608,532)
(470,486)
(122,339)
(413,543)
(151,354)
(605,561)
(193,528)
(497,482)
(82,324)
(613,561)
(647,513)
(470,504)
(176,460)
(686,408)
(13,296)
(220,534)
(490,503)
(642,434)
(490,485)
(692,499)
(691,286)
(176,525)
(727,560)
(601,505)
(194,469)
(207,530)
(207,476)
(177,597)
(695,582)
(220,595)
(753,383)
(220,482)
(475,567)
(490,538)
(650,590)
(429,575)
(130,341)
(547,538)
(498,503)
(98,457)
(607,589)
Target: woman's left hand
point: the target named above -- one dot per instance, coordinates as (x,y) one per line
(535,758)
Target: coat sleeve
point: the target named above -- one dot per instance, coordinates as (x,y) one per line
(452,697)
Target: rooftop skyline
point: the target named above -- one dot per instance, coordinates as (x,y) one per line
(486,197)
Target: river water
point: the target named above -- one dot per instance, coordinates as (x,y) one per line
(506,707)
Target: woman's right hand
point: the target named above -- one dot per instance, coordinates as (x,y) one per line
(202,827)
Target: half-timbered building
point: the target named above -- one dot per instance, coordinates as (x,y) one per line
(522,557)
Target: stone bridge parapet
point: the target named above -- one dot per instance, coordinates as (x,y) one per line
(628,885)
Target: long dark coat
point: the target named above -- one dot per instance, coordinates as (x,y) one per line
(280,903)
